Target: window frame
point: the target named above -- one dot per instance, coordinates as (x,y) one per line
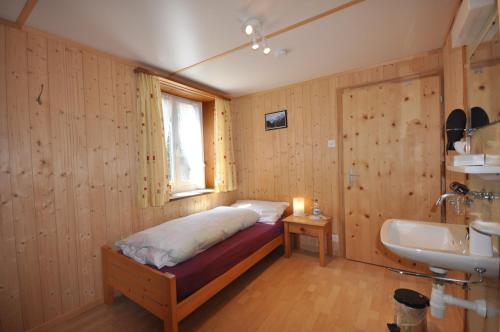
(208,108)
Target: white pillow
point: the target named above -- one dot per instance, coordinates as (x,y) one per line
(269,212)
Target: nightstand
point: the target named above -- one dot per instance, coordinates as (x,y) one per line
(322,229)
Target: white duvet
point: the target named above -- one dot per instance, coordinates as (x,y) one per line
(177,240)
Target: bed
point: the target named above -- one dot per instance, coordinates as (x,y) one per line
(172,293)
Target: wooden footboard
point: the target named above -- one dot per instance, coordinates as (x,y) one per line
(153,290)
(156,291)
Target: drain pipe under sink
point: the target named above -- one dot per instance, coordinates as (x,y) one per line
(439,300)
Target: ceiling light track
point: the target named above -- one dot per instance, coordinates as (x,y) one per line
(276,33)
(253,29)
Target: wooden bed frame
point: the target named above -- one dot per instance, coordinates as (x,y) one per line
(156,291)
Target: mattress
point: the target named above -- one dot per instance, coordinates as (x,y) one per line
(198,271)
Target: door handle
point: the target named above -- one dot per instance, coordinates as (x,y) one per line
(351,176)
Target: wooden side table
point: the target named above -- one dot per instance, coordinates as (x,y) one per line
(322,229)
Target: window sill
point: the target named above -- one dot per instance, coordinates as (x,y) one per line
(187,194)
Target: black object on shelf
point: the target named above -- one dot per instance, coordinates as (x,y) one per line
(455,126)
(478,117)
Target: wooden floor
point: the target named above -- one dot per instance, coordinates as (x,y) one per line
(280,294)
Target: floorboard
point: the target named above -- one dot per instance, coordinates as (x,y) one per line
(281,294)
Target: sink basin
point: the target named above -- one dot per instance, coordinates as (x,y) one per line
(438,245)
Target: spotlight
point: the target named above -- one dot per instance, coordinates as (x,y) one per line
(255,44)
(249,29)
(266,49)
(251,26)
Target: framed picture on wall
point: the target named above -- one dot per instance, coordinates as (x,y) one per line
(276,120)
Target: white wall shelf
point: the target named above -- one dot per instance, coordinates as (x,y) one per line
(485,172)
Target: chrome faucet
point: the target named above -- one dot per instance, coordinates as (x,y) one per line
(459,191)
(463,195)
(444,196)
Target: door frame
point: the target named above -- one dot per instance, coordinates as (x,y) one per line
(340,113)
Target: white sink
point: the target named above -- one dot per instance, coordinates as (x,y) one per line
(438,245)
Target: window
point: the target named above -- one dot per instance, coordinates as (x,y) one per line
(183,123)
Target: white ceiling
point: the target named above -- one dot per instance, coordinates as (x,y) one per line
(172,34)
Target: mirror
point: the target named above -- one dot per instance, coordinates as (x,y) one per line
(483,77)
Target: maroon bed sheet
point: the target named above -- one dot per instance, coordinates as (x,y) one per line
(198,271)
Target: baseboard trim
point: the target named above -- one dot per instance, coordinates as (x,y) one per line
(65,316)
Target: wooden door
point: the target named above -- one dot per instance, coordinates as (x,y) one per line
(392,154)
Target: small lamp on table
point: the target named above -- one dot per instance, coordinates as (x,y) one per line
(298,206)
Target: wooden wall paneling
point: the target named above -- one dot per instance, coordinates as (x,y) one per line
(260,180)
(147,216)
(21,178)
(251,148)
(95,164)
(43,174)
(326,203)
(292,95)
(78,140)
(172,210)
(432,90)
(107,100)
(313,119)
(158,212)
(308,145)
(186,207)
(240,122)
(256,131)
(242,168)
(246,165)
(11,318)
(64,176)
(454,97)
(283,141)
(275,143)
(317,157)
(67,175)
(236,118)
(266,183)
(197,204)
(287,142)
(122,105)
(106,173)
(237,122)
(268,151)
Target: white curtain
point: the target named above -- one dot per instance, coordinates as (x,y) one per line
(183,123)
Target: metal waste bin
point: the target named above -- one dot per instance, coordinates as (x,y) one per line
(410,309)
